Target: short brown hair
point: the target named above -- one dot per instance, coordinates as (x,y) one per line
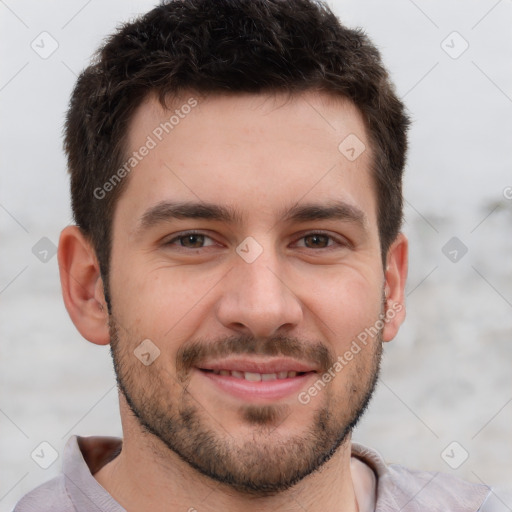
(209,46)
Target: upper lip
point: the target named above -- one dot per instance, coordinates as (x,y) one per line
(255,365)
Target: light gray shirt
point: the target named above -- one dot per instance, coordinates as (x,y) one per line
(394,488)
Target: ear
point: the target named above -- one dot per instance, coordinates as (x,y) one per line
(394,286)
(82,286)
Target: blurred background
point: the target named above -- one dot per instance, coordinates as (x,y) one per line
(444,402)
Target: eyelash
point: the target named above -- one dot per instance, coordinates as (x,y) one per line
(338,241)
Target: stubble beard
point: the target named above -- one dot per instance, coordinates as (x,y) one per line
(266,463)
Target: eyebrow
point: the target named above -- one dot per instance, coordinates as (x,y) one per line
(166,211)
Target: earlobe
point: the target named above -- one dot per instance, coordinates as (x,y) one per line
(82,286)
(394,286)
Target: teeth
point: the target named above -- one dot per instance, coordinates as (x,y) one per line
(254,376)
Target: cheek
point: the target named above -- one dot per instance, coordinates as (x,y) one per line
(344,307)
(169,303)
(164,302)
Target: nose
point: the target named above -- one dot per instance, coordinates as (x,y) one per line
(258,298)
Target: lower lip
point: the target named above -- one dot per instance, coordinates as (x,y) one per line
(259,390)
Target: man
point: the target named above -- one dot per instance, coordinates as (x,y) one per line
(236,178)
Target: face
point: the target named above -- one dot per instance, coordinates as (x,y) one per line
(246,255)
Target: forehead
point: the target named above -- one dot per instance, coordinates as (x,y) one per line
(257,154)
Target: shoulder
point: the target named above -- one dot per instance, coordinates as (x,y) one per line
(497,501)
(408,490)
(48,497)
(416,490)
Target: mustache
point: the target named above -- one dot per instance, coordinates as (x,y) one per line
(195,353)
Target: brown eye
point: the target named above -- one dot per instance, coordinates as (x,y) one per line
(319,240)
(190,240)
(316,241)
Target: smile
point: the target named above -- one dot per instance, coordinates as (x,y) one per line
(256,377)
(257,380)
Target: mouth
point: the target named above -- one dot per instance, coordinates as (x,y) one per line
(256,376)
(256,380)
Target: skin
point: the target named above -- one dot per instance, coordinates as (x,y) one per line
(258,154)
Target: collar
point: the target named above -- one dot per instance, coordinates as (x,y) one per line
(398,489)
